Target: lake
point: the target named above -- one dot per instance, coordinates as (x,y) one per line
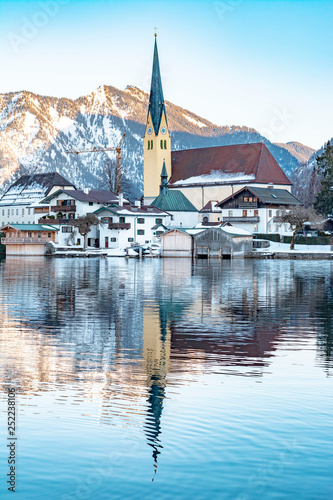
(167,379)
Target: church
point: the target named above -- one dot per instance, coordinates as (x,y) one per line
(202,174)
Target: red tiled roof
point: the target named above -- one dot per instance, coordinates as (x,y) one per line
(249,159)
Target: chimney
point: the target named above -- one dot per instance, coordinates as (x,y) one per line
(86,190)
(137,203)
(120,199)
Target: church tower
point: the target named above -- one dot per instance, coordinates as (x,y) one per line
(156,141)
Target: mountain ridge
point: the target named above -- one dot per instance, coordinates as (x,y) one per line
(36,131)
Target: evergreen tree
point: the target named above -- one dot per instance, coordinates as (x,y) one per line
(324,200)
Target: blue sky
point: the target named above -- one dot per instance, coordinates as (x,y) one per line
(262,64)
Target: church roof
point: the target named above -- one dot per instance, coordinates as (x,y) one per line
(156,99)
(239,163)
(173,201)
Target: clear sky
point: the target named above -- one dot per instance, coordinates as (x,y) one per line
(263,64)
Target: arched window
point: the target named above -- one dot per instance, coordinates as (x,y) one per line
(164,144)
(148,144)
(151,144)
(161,144)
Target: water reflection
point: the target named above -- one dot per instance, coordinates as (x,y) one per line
(119,331)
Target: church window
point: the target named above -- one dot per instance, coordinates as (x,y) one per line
(151,144)
(161,143)
(148,144)
(165,145)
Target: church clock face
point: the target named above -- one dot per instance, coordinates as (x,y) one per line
(149,130)
(163,130)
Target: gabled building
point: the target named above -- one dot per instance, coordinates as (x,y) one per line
(124,226)
(181,211)
(66,205)
(28,239)
(20,203)
(255,209)
(206,174)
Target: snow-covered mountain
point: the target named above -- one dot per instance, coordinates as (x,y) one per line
(36,131)
(301,152)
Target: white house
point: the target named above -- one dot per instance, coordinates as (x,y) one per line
(123,226)
(66,204)
(255,209)
(18,204)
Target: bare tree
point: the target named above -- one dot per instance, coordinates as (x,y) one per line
(108,175)
(84,224)
(296,217)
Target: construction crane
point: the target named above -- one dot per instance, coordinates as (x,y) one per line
(117,149)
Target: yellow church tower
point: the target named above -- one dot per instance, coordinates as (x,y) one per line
(157,140)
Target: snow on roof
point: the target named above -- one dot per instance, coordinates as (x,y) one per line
(30,189)
(216,176)
(236,230)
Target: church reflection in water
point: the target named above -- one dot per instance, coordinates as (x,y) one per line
(114,328)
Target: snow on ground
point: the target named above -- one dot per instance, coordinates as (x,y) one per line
(285,248)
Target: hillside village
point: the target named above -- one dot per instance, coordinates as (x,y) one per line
(201,202)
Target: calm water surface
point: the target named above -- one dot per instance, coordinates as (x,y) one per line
(167,379)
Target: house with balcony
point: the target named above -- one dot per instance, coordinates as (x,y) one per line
(66,205)
(20,203)
(28,239)
(256,209)
(125,226)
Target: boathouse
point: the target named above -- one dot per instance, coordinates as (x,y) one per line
(27,239)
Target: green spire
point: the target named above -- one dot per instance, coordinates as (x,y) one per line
(156,99)
(164,180)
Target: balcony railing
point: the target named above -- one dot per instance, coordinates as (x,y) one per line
(63,208)
(54,221)
(248,204)
(241,219)
(31,241)
(119,225)
(41,210)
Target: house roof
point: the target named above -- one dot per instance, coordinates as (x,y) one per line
(31,227)
(30,189)
(129,210)
(211,207)
(174,201)
(239,163)
(156,98)
(159,225)
(269,196)
(100,196)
